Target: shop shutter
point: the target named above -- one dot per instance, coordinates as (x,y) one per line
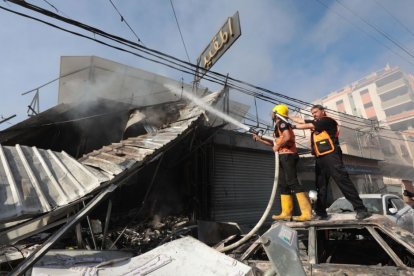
(241,184)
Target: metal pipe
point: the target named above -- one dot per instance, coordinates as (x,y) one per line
(107,218)
(90,229)
(39,252)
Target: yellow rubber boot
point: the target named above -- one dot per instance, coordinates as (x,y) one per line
(305,207)
(287,208)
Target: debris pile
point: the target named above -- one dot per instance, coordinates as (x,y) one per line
(147,235)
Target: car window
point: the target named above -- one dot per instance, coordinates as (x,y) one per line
(303,244)
(342,205)
(350,246)
(398,203)
(406,256)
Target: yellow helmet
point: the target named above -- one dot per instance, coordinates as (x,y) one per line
(281,109)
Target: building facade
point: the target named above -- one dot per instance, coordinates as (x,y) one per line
(386,99)
(386,96)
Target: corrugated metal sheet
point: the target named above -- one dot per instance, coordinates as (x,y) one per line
(115,158)
(34,181)
(241,185)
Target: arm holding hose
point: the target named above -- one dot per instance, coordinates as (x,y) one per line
(297,120)
(301,123)
(262,139)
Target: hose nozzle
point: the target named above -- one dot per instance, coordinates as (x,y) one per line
(255,131)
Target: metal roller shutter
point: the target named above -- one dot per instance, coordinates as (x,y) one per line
(242,181)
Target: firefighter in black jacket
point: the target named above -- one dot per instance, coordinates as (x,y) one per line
(328,153)
(285,145)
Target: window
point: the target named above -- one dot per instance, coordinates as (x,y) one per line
(393,77)
(404,151)
(387,147)
(398,203)
(303,243)
(368,105)
(390,95)
(400,109)
(350,246)
(363,92)
(406,256)
(340,106)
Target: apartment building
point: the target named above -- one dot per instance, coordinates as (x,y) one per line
(386,99)
(386,96)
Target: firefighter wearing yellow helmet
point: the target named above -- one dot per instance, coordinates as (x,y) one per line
(281,109)
(285,145)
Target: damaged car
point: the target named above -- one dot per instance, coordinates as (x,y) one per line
(389,205)
(342,246)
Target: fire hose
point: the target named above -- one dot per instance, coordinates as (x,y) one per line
(266,212)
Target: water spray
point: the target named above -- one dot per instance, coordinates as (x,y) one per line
(231,120)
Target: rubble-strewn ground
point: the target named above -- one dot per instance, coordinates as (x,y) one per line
(143,236)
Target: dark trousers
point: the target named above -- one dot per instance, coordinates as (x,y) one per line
(288,176)
(331,165)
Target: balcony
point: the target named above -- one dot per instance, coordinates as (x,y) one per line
(391,86)
(393,102)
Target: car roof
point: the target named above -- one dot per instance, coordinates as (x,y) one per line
(374,195)
(348,219)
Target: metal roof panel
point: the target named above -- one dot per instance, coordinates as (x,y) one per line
(34,181)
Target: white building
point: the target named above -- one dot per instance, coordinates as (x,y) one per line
(386,98)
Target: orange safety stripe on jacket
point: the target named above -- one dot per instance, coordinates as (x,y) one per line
(290,147)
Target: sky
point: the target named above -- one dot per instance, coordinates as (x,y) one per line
(301,48)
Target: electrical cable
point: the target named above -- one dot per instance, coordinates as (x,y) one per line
(124,20)
(146,50)
(368,34)
(209,77)
(179,29)
(394,17)
(384,34)
(62,122)
(47,2)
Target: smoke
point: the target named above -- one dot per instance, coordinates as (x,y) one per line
(199,102)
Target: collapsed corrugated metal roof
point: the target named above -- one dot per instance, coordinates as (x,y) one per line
(35,181)
(115,158)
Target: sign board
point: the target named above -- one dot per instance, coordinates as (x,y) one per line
(227,35)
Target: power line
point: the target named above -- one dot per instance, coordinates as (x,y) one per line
(47,2)
(395,18)
(365,32)
(124,20)
(54,7)
(183,66)
(211,75)
(384,34)
(179,29)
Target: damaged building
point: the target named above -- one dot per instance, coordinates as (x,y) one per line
(122,163)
